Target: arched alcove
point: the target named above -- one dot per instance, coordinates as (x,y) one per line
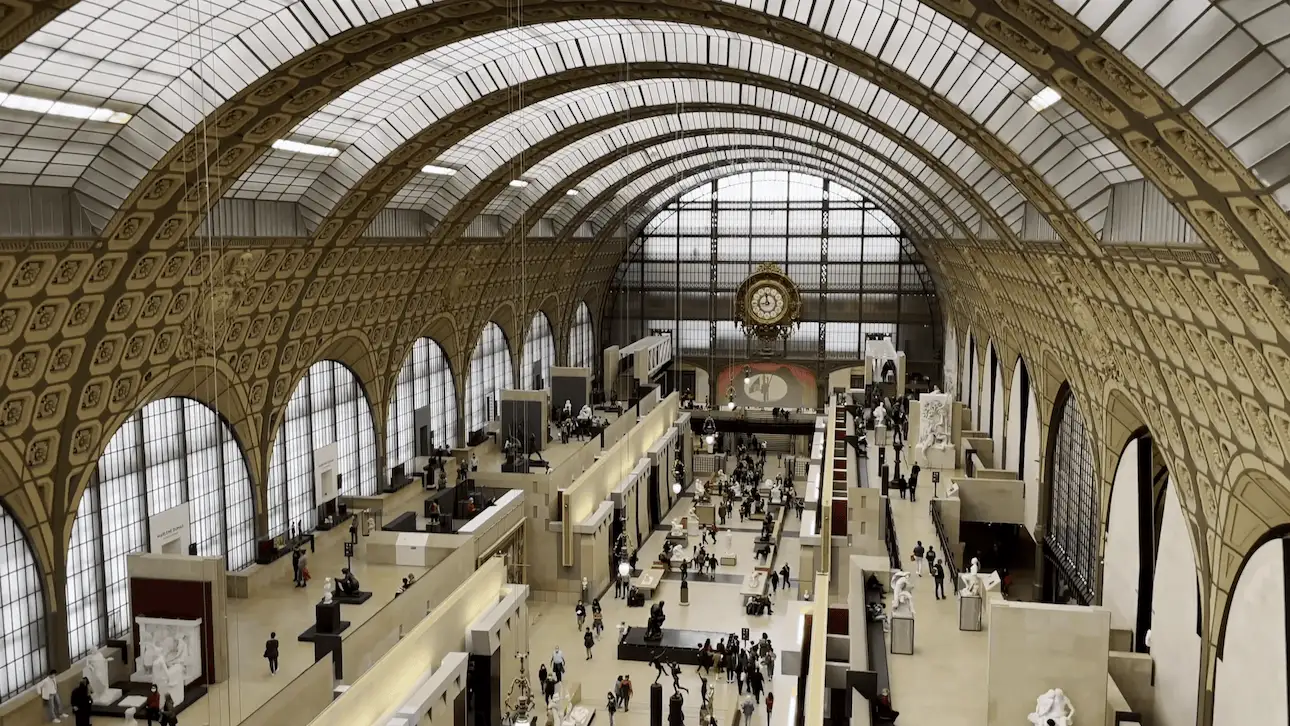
(971,377)
(538,355)
(582,339)
(1073,532)
(22,611)
(326,422)
(1250,685)
(1021,440)
(171,452)
(950,364)
(425,383)
(992,401)
(490,373)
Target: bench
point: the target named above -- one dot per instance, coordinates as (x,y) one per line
(754,585)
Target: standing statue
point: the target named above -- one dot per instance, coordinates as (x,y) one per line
(902,600)
(96,670)
(1053,708)
(657,662)
(880,415)
(676,679)
(328,588)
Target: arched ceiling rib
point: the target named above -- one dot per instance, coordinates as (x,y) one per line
(575,147)
(347,221)
(415,94)
(500,142)
(920,208)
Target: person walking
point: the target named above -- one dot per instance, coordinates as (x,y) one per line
(918,557)
(930,556)
(774,582)
(611,705)
(580,610)
(543,677)
(304,569)
(271,653)
(548,691)
(913,483)
(627,692)
(741,667)
(152,705)
(169,714)
(938,576)
(770,705)
(81,702)
(748,707)
(597,619)
(557,664)
(770,663)
(295,566)
(783,573)
(756,682)
(48,690)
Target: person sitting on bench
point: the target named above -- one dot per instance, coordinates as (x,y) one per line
(348,584)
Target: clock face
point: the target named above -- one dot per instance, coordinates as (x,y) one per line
(767,303)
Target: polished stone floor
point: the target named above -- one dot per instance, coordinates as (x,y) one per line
(944,682)
(713,606)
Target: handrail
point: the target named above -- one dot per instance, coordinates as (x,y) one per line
(947,554)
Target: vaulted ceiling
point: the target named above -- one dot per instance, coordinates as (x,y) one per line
(1098,186)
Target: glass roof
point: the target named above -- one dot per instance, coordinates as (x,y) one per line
(884,176)
(988,86)
(1226,61)
(678,175)
(376,116)
(437,194)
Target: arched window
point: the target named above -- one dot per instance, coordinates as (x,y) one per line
(1073,517)
(169,452)
(328,406)
(539,354)
(425,381)
(490,372)
(582,339)
(22,610)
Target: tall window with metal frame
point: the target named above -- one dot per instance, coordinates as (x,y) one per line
(329,406)
(22,611)
(425,380)
(1073,530)
(169,452)
(582,339)
(857,269)
(490,373)
(539,354)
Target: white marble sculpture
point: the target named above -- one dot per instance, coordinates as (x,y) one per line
(880,415)
(953,491)
(902,600)
(730,539)
(975,567)
(170,654)
(700,489)
(129,717)
(329,587)
(935,428)
(568,408)
(976,584)
(96,670)
(585,413)
(678,530)
(1053,708)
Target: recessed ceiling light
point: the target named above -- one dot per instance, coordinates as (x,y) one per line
(1044,99)
(519,183)
(438,170)
(17,102)
(571,193)
(296,147)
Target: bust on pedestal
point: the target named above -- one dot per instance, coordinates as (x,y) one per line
(1053,708)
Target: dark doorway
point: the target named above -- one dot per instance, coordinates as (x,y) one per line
(654,514)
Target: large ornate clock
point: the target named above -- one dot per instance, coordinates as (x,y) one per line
(768,304)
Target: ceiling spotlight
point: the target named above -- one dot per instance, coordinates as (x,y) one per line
(295,147)
(18,102)
(437,170)
(519,183)
(1044,99)
(572,193)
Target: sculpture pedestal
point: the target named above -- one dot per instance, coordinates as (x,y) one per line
(685,593)
(728,560)
(970,612)
(935,457)
(880,435)
(655,704)
(326,622)
(108,697)
(902,635)
(675,714)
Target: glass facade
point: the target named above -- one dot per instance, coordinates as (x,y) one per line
(425,380)
(582,339)
(539,354)
(328,406)
(490,372)
(171,451)
(22,612)
(1073,528)
(856,269)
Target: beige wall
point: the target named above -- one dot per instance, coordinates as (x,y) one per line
(390,680)
(298,703)
(1001,501)
(1035,647)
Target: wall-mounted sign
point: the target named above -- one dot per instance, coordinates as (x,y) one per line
(168,531)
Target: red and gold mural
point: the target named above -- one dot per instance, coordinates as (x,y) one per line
(767,384)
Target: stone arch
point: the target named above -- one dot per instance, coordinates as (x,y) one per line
(1023,441)
(1070,501)
(994,398)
